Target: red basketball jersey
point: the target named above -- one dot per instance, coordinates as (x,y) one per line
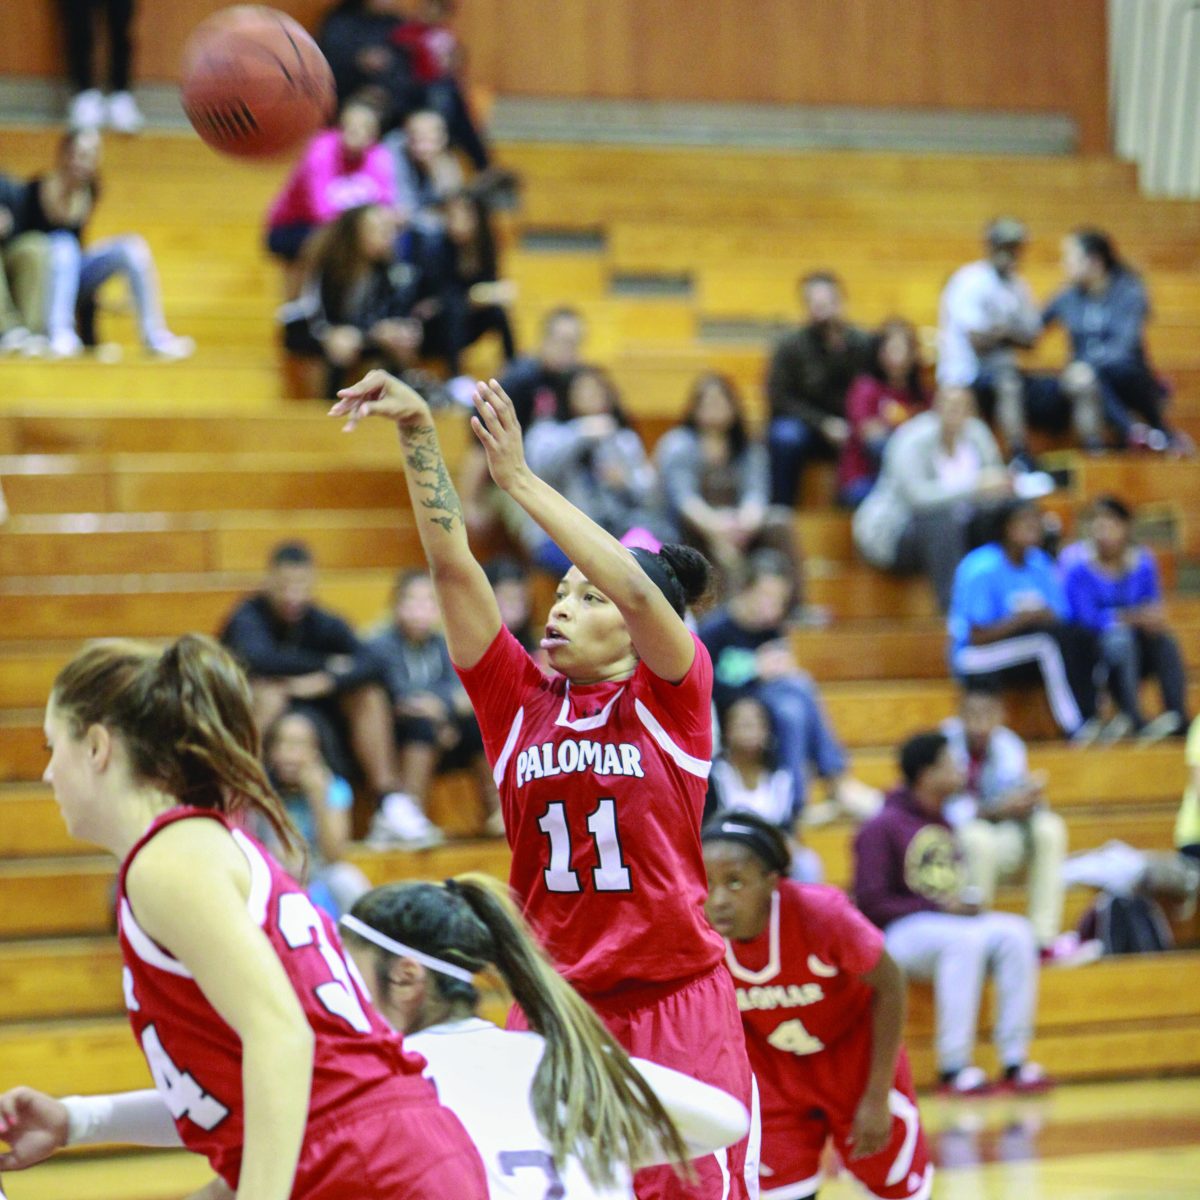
(798,987)
(602,788)
(196,1058)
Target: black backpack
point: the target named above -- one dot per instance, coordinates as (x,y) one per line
(1127,925)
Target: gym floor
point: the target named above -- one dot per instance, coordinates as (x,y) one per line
(1109,1141)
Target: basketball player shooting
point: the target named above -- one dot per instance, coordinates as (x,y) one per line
(602,768)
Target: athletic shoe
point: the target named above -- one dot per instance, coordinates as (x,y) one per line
(171,346)
(968,1082)
(15,340)
(1116,730)
(87,110)
(399,822)
(124,116)
(1088,733)
(1068,950)
(1163,726)
(1028,1079)
(65,345)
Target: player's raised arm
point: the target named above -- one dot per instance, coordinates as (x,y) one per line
(661,639)
(469,611)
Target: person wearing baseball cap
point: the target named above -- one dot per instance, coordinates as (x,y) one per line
(987,314)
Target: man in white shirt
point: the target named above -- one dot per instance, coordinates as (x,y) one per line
(986,314)
(1001,817)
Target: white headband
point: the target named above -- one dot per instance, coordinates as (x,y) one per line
(384,942)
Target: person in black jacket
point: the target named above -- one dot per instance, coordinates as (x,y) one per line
(355,305)
(300,656)
(357,39)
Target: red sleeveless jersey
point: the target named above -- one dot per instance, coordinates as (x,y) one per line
(196,1058)
(602,788)
(798,987)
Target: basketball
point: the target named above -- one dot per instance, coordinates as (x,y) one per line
(255,84)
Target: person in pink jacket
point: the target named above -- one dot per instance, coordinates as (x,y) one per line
(342,168)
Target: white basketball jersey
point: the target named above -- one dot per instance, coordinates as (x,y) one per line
(484,1075)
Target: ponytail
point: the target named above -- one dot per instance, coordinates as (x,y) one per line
(185,718)
(589,1100)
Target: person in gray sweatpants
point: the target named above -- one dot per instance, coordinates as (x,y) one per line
(909,879)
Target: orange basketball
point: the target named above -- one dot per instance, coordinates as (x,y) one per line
(254,83)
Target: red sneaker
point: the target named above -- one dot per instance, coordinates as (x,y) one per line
(1029,1079)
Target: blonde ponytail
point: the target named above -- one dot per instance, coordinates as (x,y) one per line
(588,1098)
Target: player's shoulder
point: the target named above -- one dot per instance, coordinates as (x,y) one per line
(812,899)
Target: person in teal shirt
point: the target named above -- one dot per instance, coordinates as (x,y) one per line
(1009,624)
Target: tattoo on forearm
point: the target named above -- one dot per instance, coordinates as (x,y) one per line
(427,470)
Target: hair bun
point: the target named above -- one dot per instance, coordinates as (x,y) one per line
(691,568)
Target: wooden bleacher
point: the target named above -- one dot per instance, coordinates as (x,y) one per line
(145,497)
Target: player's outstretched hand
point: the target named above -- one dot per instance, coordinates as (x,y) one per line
(496,426)
(872,1128)
(33,1124)
(378,394)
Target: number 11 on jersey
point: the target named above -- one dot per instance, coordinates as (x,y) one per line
(610,875)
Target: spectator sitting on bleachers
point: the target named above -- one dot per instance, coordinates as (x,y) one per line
(355,305)
(747,777)
(809,372)
(427,174)
(1104,308)
(714,478)
(986,314)
(467,299)
(1009,623)
(1001,816)
(1112,588)
(1187,824)
(940,469)
(877,403)
(597,460)
(319,804)
(909,880)
(61,203)
(341,168)
(435,56)
(435,724)
(747,639)
(24,274)
(356,38)
(299,656)
(538,385)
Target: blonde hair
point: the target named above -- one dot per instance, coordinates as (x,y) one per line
(589,1100)
(184,717)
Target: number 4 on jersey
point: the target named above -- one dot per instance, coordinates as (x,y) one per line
(792,1037)
(611,875)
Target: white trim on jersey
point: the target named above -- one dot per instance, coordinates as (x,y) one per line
(694,766)
(260,879)
(583,724)
(821,968)
(794,1191)
(772,968)
(153,955)
(901,1106)
(923,1192)
(145,947)
(510,744)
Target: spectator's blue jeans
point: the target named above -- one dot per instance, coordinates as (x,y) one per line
(76,275)
(791,442)
(802,731)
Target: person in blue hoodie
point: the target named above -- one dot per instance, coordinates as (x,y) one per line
(1112,588)
(1009,623)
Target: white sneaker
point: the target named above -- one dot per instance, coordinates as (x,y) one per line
(15,340)
(400,822)
(1117,730)
(87,110)
(1165,725)
(124,116)
(65,345)
(172,346)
